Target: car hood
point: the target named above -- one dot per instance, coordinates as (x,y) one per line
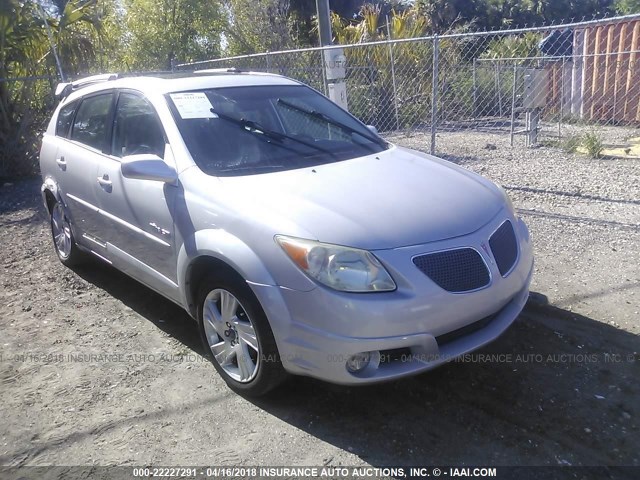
(392,199)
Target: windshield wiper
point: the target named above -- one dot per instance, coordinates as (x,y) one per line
(253,127)
(251,167)
(326,118)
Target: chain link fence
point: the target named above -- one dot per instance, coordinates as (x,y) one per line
(535,84)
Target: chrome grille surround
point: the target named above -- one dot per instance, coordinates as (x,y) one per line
(504,247)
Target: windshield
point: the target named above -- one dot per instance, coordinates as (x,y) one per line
(257,129)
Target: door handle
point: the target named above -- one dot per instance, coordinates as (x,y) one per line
(62,163)
(104,181)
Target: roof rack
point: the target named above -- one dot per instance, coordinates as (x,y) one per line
(64,89)
(222,70)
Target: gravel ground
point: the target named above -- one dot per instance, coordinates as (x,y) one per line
(559,388)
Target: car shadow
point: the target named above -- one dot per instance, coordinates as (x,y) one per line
(557,388)
(163,313)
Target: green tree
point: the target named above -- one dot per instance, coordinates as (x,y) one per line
(626,7)
(442,15)
(255,26)
(79,35)
(524,46)
(157,32)
(25,50)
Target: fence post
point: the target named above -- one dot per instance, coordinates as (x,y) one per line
(499,87)
(560,114)
(323,65)
(393,75)
(513,103)
(475,91)
(434,92)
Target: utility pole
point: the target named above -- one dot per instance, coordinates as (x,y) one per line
(324,22)
(334,59)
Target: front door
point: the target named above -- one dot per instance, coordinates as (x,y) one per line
(137,221)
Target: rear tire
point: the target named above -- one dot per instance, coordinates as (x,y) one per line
(63,242)
(237,336)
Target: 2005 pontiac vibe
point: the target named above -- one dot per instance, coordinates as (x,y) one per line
(300,240)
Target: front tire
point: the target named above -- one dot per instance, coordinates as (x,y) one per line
(64,243)
(237,335)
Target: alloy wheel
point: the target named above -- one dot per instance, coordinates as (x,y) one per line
(230,335)
(61,231)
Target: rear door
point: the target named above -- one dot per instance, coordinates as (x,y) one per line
(77,160)
(136,215)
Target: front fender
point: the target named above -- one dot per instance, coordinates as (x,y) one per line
(50,185)
(221,245)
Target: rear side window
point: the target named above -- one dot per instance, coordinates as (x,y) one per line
(65,117)
(90,125)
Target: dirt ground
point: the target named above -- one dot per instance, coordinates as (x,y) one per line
(97,369)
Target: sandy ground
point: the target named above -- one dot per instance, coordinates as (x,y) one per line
(97,369)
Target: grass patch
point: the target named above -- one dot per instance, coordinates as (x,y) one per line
(571,143)
(589,144)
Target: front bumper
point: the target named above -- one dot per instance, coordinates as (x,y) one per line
(416,328)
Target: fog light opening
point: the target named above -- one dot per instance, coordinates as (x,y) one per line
(363,361)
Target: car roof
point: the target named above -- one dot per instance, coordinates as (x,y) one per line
(176,82)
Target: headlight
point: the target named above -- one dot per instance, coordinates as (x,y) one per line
(341,268)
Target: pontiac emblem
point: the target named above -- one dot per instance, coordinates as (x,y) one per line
(485,247)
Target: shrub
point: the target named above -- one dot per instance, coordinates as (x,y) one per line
(589,144)
(592,144)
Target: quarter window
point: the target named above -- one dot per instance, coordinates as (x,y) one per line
(65,117)
(137,129)
(90,125)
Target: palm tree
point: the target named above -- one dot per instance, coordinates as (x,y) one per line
(25,51)
(371,72)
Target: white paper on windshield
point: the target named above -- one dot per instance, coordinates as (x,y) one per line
(193,105)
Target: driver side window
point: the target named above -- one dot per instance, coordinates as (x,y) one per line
(136,129)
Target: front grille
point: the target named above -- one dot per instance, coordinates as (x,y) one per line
(455,271)
(504,247)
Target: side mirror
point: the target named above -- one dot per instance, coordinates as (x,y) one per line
(372,129)
(147,167)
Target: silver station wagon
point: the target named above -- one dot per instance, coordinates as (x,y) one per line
(300,240)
